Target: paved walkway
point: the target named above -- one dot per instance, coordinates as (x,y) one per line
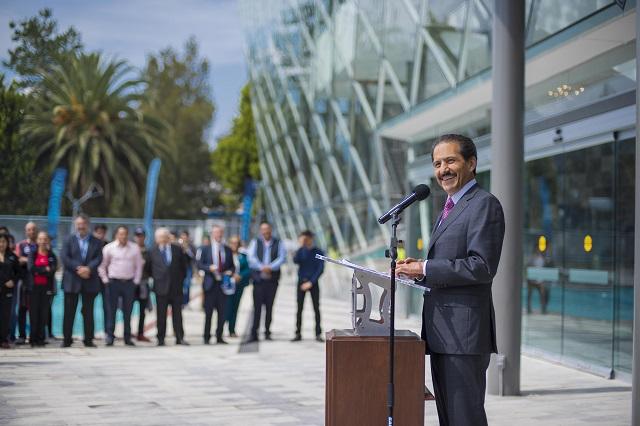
(270,383)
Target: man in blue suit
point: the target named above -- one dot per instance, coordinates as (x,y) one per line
(458,319)
(81,256)
(216,260)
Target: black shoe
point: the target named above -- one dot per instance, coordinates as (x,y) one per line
(65,345)
(319,338)
(160,342)
(206,341)
(129,343)
(21,341)
(267,336)
(109,342)
(89,345)
(253,339)
(297,338)
(221,341)
(182,342)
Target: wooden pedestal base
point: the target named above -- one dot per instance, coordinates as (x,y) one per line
(357,376)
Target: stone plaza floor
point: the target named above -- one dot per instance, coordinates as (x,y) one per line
(268,383)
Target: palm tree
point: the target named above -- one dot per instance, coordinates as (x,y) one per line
(85,118)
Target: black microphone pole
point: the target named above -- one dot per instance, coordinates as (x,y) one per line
(419,193)
(393,254)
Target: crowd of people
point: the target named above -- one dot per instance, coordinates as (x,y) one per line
(125,271)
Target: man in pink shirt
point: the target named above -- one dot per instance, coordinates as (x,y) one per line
(121,270)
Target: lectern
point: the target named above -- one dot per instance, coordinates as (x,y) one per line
(357,360)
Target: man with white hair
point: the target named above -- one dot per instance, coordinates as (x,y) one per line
(167,267)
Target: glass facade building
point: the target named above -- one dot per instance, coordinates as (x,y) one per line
(348,97)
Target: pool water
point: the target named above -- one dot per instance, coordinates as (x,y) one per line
(57,310)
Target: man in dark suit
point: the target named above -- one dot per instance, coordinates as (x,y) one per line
(216,260)
(458,319)
(166,266)
(81,256)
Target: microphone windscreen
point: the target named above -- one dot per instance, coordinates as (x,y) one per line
(422,191)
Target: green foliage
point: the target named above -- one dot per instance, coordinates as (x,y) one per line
(236,155)
(84,117)
(178,92)
(39,46)
(21,185)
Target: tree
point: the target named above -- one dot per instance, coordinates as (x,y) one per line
(39,46)
(84,118)
(179,93)
(236,155)
(22,188)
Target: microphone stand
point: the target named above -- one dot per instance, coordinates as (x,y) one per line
(392,253)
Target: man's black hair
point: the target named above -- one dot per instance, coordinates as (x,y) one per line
(307,233)
(465,144)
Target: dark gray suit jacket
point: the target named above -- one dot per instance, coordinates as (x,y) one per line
(463,255)
(72,258)
(167,279)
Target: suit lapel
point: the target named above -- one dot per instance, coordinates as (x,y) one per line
(457,210)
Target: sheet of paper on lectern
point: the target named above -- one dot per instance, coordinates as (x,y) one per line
(348,264)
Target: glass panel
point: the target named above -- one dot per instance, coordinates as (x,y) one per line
(624,207)
(445,24)
(432,80)
(367,64)
(551,16)
(587,211)
(399,44)
(542,290)
(478,45)
(604,76)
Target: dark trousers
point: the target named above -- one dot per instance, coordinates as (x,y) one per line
(459,383)
(6,302)
(186,286)
(106,307)
(38,313)
(50,316)
(315,298)
(142,304)
(70,307)
(264,293)
(126,290)
(214,298)
(231,310)
(23,309)
(13,314)
(162,302)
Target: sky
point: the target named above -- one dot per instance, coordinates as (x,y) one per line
(131,29)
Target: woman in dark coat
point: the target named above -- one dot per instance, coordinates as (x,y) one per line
(9,272)
(42,265)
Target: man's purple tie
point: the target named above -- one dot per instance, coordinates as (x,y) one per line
(447,208)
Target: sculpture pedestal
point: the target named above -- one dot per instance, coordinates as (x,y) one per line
(357,373)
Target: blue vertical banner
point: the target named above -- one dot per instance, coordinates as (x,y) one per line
(247,206)
(55,201)
(150,199)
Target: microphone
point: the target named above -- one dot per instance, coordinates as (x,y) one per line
(419,193)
